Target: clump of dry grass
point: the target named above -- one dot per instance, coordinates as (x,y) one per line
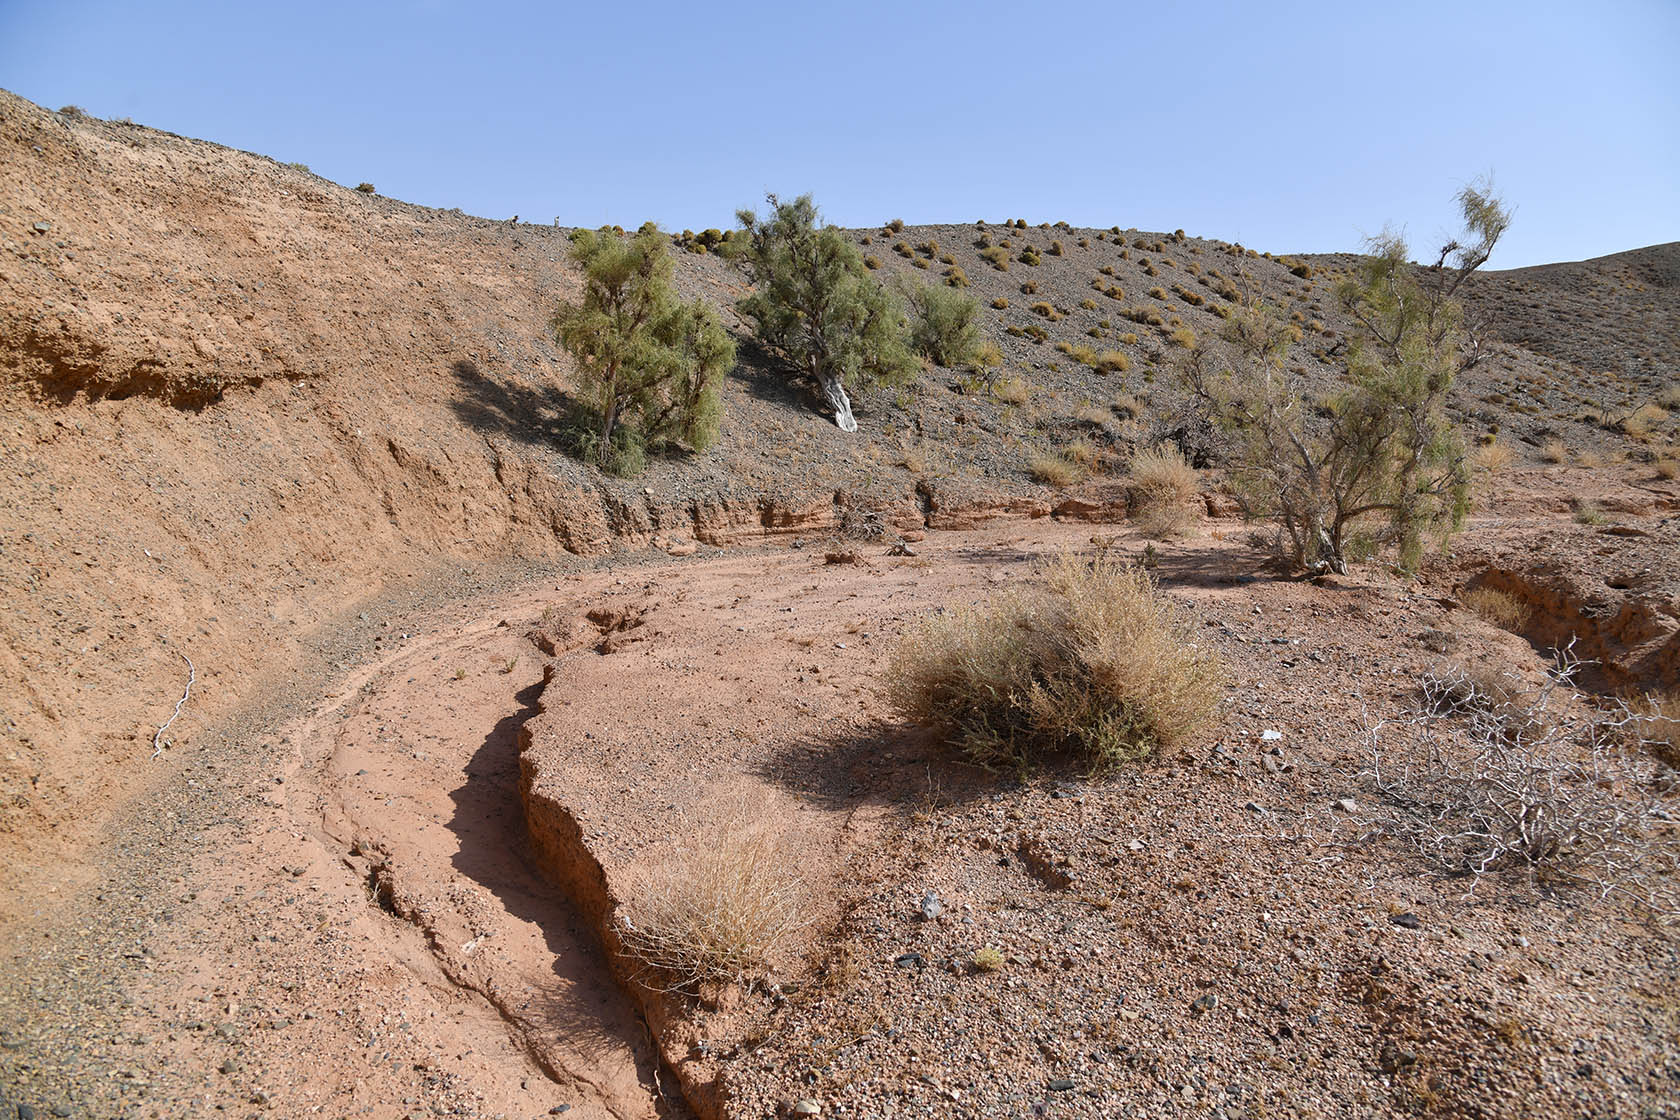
(1164,489)
(1053,470)
(1090,660)
(1493,457)
(1011,390)
(725,907)
(1642,421)
(1669,398)
(1498,607)
(1554,451)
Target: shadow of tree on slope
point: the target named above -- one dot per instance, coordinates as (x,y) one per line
(530,414)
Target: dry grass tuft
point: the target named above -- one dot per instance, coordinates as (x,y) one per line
(1554,451)
(1053,470)
(1090,660)
(1493,457)
(1503,610)
(726,907)
(1011,390)
(1164,491)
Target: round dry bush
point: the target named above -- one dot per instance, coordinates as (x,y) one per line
(726,908)
(1090,661)
(1164,489)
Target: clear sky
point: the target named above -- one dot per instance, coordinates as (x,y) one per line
(1287,126)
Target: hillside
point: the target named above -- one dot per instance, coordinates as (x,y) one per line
(303,440)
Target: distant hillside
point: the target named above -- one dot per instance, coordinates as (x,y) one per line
(1619,313)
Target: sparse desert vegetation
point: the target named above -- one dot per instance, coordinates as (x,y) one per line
(503,704)
(1092,660)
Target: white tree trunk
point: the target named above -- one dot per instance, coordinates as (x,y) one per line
(842,405)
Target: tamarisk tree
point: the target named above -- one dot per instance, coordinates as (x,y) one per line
(816,306)
(649,365)
(1381,449)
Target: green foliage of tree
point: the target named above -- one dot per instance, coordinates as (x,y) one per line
(1382,448)
(944,324)
(816,306)
(649,365)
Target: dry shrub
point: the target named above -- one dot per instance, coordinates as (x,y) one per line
(1164,490)
(1053,470)
(1669,398)
(725,907)
(1011,390)
(1642,421)
(1554,451)
(1503,610)
(1553,784)
(1113,361)
(1090,660)
(1493,457)
(1081,452)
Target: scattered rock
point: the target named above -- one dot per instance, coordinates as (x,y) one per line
(805,1107)
(1407,920)
(910,960)
(1204,1003)
(1347,805)
(1061,1085)
(930,907)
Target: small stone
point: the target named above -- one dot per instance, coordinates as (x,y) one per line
(26,1112)
(1407,920)
(559,1108)
(61,1110)
(1271,736)
(909,960)
(1060,1085)
(930,907)
(1393,1059)
(1347,805)
(1254,807)
(1204,1003)
(806,1107)
(43,227)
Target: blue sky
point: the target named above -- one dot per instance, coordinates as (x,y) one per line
(1287,126)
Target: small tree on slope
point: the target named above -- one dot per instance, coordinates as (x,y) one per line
(1382,448)
(816,306)
(647,362)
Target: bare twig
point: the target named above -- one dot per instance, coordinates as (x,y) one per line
(1544,780)
(192,677)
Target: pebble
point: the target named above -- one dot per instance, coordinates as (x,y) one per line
(1060,1085)
(910,960)
(1347,805)
(806,1107)
(1204,1003)
(1405,921)
(930,907)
